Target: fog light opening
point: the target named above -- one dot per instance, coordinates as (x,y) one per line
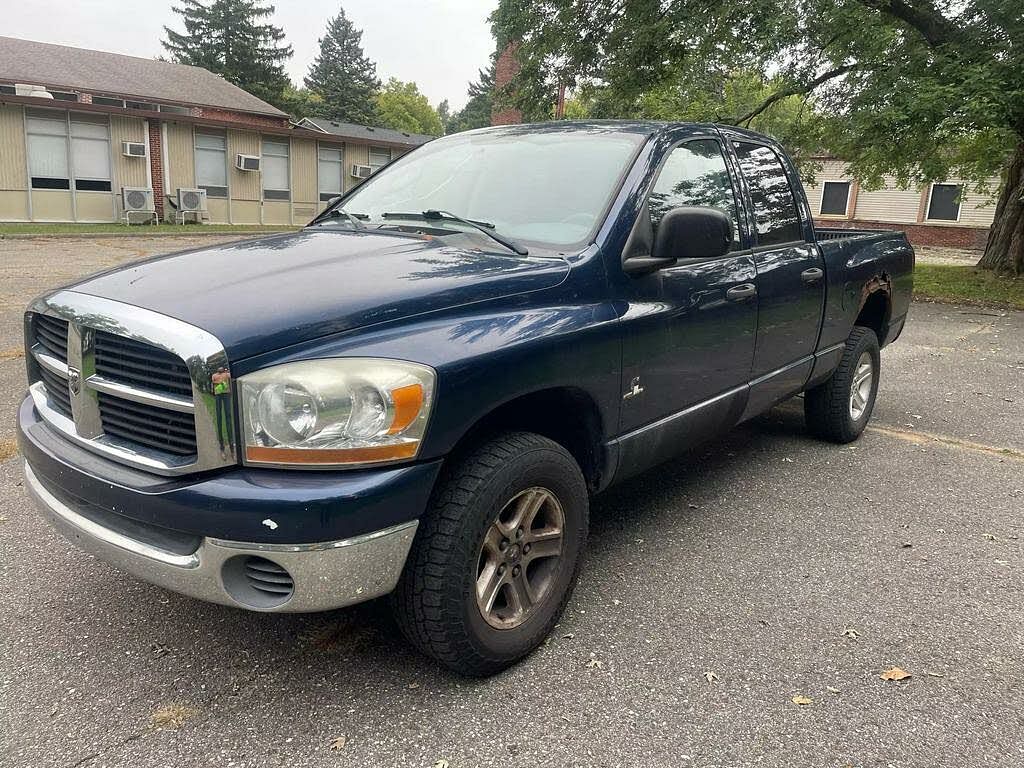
(256,582)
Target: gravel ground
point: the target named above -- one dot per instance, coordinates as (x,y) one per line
(716,588)
(957,257)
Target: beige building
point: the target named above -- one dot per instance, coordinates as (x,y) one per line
(949,213)
(88,136)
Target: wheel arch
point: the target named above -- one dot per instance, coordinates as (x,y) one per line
(876,307)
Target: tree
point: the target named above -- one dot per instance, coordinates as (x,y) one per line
(342,76)
(232,39)
(919,89)
(444,112)
(301,102)
(477,112)
(401,106)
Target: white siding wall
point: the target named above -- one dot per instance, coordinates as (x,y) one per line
(889,203)
(831,170)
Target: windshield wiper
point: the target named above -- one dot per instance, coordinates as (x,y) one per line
(337,213)
(483,226)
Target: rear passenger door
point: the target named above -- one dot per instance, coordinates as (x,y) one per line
(790,276)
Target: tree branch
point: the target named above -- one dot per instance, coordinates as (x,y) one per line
(932,25)
(795,90)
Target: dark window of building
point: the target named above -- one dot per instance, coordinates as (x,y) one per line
(8,89)
(108,101)
(775,210)
(141,105)
(694,174)
(945,202)
(835,196)
(64,96)
(42,182)
(92,185)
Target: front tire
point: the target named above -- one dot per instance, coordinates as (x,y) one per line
(839,409)
(496,556)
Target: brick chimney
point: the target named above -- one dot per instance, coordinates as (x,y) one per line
(505,71)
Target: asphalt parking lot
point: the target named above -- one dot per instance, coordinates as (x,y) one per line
(716,588)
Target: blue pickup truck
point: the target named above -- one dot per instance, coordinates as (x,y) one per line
(419,392)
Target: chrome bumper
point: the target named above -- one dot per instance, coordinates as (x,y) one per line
(324,575)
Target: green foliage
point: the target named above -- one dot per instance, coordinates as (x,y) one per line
(301,102)
(341,75)
(401,106)
(231,38)
(920,90)
(477,112)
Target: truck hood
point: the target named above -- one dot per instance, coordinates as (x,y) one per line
(261,295)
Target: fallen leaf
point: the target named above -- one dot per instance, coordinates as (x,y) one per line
(989,536)
(339,743)
(568,636)
(413,686)
(895,674)
(594,662)
(934,674)
(171,716)
(906,545)
(831,689)
(441,764)
(802,701)
(710,676)
(851,633)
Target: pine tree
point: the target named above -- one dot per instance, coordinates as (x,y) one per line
(342,76)
(477,112)
(232,39)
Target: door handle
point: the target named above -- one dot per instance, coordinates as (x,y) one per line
(812,275)
(741,292)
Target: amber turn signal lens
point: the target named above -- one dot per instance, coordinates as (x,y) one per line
(408,402)
(309,456)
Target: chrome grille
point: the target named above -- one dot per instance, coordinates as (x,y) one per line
(141,365)
(147,425)
(128,383)
(51,333)
(57,388)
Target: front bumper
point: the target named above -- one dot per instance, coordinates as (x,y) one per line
(312,577)
(271,540)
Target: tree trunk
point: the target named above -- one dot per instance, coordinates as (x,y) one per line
(1004,251)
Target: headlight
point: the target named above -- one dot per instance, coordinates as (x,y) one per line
(335,412)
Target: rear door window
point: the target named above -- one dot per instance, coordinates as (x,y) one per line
(775,211)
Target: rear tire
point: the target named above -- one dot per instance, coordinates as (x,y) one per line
(839,409)
(473,595)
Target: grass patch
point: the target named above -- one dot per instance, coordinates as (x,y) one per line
(145,230)
(967,285)
(171,716)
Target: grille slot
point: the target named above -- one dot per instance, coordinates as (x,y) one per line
(51,333)
(57,390)
(268,577)
(148,425)
(141,365)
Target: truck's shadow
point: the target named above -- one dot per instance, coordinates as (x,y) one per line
(286,649)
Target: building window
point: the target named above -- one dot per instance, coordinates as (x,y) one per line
(64,96)
(775,211)
(835,197)
(8,89)
(90,153)
(148,106)
(275,170)
(330,172)
(108,101)
(944,202)
(212,163)
(379,157)
(48,149)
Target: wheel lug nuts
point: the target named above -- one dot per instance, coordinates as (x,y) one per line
(526,549)
(519,533)
(501,569)
(504,545)
(516,570)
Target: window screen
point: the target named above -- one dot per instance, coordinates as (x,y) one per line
(945,202)
(379,157)
(48,149)
(330,172)
(694,174)
(775,211)
(275,170)
(90,153)
(834,197)
(211,164)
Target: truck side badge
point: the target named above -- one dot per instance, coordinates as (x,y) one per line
(634,389)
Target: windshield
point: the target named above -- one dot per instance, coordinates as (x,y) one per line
(546,186)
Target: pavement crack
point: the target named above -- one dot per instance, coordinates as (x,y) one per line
(93,755)
(920,438)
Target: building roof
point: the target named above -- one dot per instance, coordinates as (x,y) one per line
(366,133)
(80,69)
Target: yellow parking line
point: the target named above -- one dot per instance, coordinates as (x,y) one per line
(920,438)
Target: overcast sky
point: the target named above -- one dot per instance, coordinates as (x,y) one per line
(440,44)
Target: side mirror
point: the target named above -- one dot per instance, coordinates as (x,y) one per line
(688,233)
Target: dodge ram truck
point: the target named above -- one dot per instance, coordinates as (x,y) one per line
(418,393)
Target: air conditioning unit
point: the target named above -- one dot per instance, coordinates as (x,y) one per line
(138,199)
(133,149)
(361,171)
(36,91)
(247,162)
(191,200)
